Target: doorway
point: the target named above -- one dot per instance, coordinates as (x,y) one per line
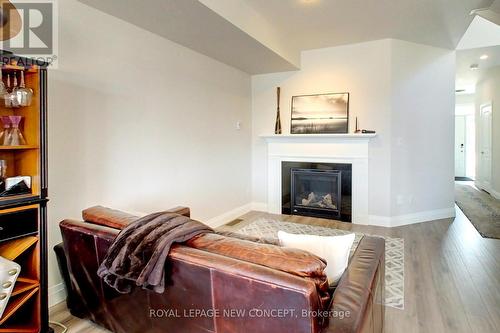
(484,157)
(465,142)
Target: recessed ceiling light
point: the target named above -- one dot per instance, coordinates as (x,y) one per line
(484,57)
(474,67)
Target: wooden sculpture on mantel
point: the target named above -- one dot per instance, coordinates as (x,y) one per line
(277,126)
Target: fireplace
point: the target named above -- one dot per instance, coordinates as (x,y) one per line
(317,190)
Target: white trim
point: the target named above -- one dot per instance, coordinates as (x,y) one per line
(341,148)
(483,186)
(224,218)
(397,221)
(381,221)
(57,294)
(315,137)
(259,206)
(495,194)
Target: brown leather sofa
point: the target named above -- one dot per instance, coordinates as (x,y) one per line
(222,284)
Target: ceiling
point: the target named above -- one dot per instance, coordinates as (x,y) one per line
(467,78)
(481,33)
(192,24)
(264,36)
(314,24)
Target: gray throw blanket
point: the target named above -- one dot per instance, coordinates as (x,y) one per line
(138,254)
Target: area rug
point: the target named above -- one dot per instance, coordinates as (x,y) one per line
(394,251)
(480,208)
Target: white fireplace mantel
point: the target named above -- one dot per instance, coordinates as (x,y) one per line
(298,137)
(320,148)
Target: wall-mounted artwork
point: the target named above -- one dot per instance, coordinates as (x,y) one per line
(324,114)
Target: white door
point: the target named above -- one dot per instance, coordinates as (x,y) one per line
(484,158)
(460,137)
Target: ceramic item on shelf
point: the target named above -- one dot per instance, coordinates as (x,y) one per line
(5,133)
(9,271)
(3,90)
(16,137)
(24,95)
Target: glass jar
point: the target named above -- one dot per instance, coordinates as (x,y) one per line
(16,137)
(5,133)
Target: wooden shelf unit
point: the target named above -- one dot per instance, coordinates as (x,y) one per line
(23,285)
(25,240)
(18,147)
(24,160)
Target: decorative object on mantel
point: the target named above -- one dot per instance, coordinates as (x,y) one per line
(357,130)
(365,131)
(277,125)
(320,114)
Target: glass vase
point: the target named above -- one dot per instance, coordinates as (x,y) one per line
(5,133)
(16,137)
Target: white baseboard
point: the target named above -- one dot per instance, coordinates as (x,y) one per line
(229,216)
(396,221)
(259,206)
(495,194)
(381,221)
(389,221)
(57,294)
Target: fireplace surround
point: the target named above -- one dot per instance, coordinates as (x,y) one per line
(320,148)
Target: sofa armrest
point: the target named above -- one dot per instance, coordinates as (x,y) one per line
(356,305)
(181,211)
(119,219)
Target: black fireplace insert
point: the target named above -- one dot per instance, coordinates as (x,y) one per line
(317,189)
(316,192)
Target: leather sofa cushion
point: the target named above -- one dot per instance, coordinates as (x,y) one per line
(294,261)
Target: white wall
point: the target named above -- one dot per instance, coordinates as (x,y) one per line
(488,90)
(140,123)
(423,128)
(402,90)
(461,99)
(363,70)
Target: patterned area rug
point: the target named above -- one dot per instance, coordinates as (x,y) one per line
(394,251)
(480,208)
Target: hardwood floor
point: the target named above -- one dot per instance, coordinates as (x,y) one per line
(452,277)
(59,313)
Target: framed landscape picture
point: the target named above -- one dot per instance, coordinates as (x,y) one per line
(320,114)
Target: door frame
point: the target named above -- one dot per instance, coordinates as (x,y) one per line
(479,162)
(464,117)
